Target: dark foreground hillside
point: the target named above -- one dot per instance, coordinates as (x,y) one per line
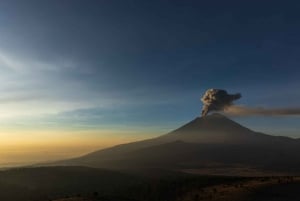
(266,189)
(91,184)
(51,183)
(46,183)
(256,189)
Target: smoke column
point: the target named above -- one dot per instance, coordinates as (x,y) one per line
(220,100)
(217,100)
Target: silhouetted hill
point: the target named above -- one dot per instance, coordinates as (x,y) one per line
(211,141)
(91,184)
(47,183)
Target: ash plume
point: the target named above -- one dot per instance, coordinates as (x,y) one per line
(217,100)
(220,100)
(246,111)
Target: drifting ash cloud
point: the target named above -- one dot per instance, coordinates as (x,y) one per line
(220,100)
(246,111)
(217,100)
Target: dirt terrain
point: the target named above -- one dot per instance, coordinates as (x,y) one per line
(77,199)
(267,189)
(256,189)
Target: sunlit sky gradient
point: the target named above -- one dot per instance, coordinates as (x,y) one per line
(81,75)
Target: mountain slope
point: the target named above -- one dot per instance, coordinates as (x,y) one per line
(218,129)
(213,139)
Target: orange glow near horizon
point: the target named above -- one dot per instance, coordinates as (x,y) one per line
(40,146)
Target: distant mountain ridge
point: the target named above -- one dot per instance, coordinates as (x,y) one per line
(214,140)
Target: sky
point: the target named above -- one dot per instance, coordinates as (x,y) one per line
(81,75)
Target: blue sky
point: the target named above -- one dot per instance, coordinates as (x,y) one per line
(143,65)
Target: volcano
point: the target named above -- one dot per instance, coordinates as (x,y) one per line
(209,142)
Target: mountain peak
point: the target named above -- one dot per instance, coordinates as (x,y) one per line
(215,115)
(214,128)
(212,116)
(213,139)
(214,121)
